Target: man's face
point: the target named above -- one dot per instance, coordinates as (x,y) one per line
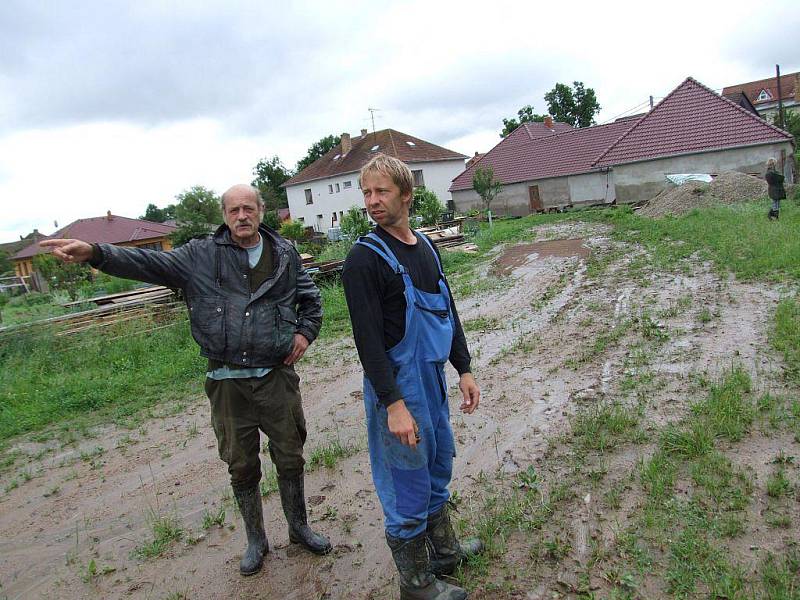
(242,215)
(383,200)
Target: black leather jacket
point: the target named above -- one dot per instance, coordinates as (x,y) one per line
(229,323)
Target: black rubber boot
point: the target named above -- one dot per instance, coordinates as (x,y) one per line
(417,581)
(294,507)
(447,552)
(249,502)
(773,214)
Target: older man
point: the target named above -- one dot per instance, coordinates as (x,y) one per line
(253,310)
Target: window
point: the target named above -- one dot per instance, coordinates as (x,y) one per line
(764,95)
(412,144)
(341,214)
(152,246)
(347,184)
(374,148)
(337,188)
(336,157)
(309,196)
(333,219)
(301,219)
(418,179)
(330,188)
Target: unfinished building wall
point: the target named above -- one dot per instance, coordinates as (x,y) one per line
(639,181)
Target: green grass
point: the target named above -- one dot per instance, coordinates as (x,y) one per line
(604,426)
(92,376)
(785,336)
(165,530)
(329,454)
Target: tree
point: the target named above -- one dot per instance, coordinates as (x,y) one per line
(792,119)
(293,230)
(270,175)
(354,224)
(576,106)
(271,219)
(68,277)
(525,115)
(318,150)
(158,215)
(5,262)
(198,213)
(428,206)
(485,185)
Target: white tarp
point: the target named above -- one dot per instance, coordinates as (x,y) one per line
(681,178)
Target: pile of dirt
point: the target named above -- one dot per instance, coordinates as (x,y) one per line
(727,188)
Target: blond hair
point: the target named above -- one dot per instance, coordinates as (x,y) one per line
(771,163)
(395,169)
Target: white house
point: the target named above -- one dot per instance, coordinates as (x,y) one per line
(321,193)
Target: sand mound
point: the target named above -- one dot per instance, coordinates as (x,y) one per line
(727,188)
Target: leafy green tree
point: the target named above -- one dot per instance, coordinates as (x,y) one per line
(318,150)
(354,224)
(792,119)
(270,174)
(293,230)
(525,115)
(158,215)
(198,213)
(428,206)
(271,219)
(577,105)
(485,185)
(68,277)
(5,262)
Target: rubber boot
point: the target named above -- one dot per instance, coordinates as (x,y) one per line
(446,550)
(294,507)
(249,502)
(417,581)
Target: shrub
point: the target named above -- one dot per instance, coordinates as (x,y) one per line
(428,206)
(354,224)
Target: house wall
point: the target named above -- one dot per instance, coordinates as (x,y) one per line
(514,199)
(639,181)
(437,177)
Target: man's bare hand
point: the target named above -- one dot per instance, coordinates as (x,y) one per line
(402,424)
(70,251)
(471,392)
(300,346)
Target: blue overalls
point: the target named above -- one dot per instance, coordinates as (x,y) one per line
(412,482)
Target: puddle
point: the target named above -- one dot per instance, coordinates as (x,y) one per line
(518,256)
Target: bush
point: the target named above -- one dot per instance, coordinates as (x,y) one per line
(272,220)
(428,206)
(354,224)
(293,230)
(31,299)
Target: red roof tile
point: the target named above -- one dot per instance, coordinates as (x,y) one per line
(525,155)
(406,147)
(790,88)
(110,229)
(692,118)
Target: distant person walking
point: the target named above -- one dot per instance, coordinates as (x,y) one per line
(776,190)
(253,310)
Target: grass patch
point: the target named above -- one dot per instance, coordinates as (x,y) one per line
(165,530)
(604,426)
(785,336)
(329,454)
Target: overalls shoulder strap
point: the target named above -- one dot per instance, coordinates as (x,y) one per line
(433,251)
(383,251)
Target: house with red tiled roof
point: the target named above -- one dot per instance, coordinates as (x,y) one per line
(110,229)
(763,94)
(320,194)
(692,130)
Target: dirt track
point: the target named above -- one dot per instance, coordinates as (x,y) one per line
(531,338)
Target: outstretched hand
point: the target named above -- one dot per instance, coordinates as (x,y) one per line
(72,251)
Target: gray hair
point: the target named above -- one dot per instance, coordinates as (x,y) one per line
(254,189)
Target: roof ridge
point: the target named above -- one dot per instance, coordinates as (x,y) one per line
(643,119)
(764,80)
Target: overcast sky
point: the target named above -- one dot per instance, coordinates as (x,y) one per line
(112,105)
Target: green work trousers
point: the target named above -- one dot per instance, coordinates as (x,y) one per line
(240,407)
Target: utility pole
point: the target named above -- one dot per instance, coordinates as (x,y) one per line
(651,103)
(780,97)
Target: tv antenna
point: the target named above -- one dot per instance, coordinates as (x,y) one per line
(372,112)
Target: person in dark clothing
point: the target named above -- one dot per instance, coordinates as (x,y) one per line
(775,189)
(253,310)
(406,327)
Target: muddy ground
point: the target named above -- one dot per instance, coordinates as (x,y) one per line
(553,326)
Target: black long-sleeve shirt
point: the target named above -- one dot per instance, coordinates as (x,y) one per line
(377,305)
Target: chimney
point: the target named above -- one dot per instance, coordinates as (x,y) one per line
(108,215)
(364,131)
(548,121)
(346,145)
